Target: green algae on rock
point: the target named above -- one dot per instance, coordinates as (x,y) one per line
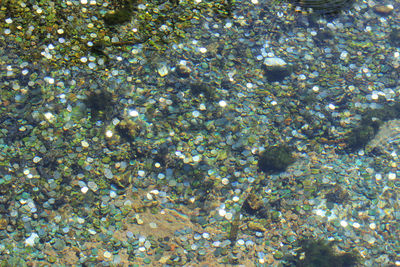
(320,253)
(275,159)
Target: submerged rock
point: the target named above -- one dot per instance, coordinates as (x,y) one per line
(383,10)
(394,37)
(275,159)
(276,69)
(325,7)
(183,71)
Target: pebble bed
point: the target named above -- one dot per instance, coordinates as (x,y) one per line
(135,144)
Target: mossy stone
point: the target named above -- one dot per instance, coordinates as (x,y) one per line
(120,16)
(322,254)
(275,159)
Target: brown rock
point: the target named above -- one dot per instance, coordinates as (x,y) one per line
(383,10)
(183,71)
(3,223)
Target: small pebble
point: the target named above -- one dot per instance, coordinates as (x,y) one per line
(30,241)
(93,186)
(108,173)
(107,254)
(163,70)
(113,194)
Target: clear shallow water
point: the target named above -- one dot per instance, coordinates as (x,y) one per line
(127,135)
